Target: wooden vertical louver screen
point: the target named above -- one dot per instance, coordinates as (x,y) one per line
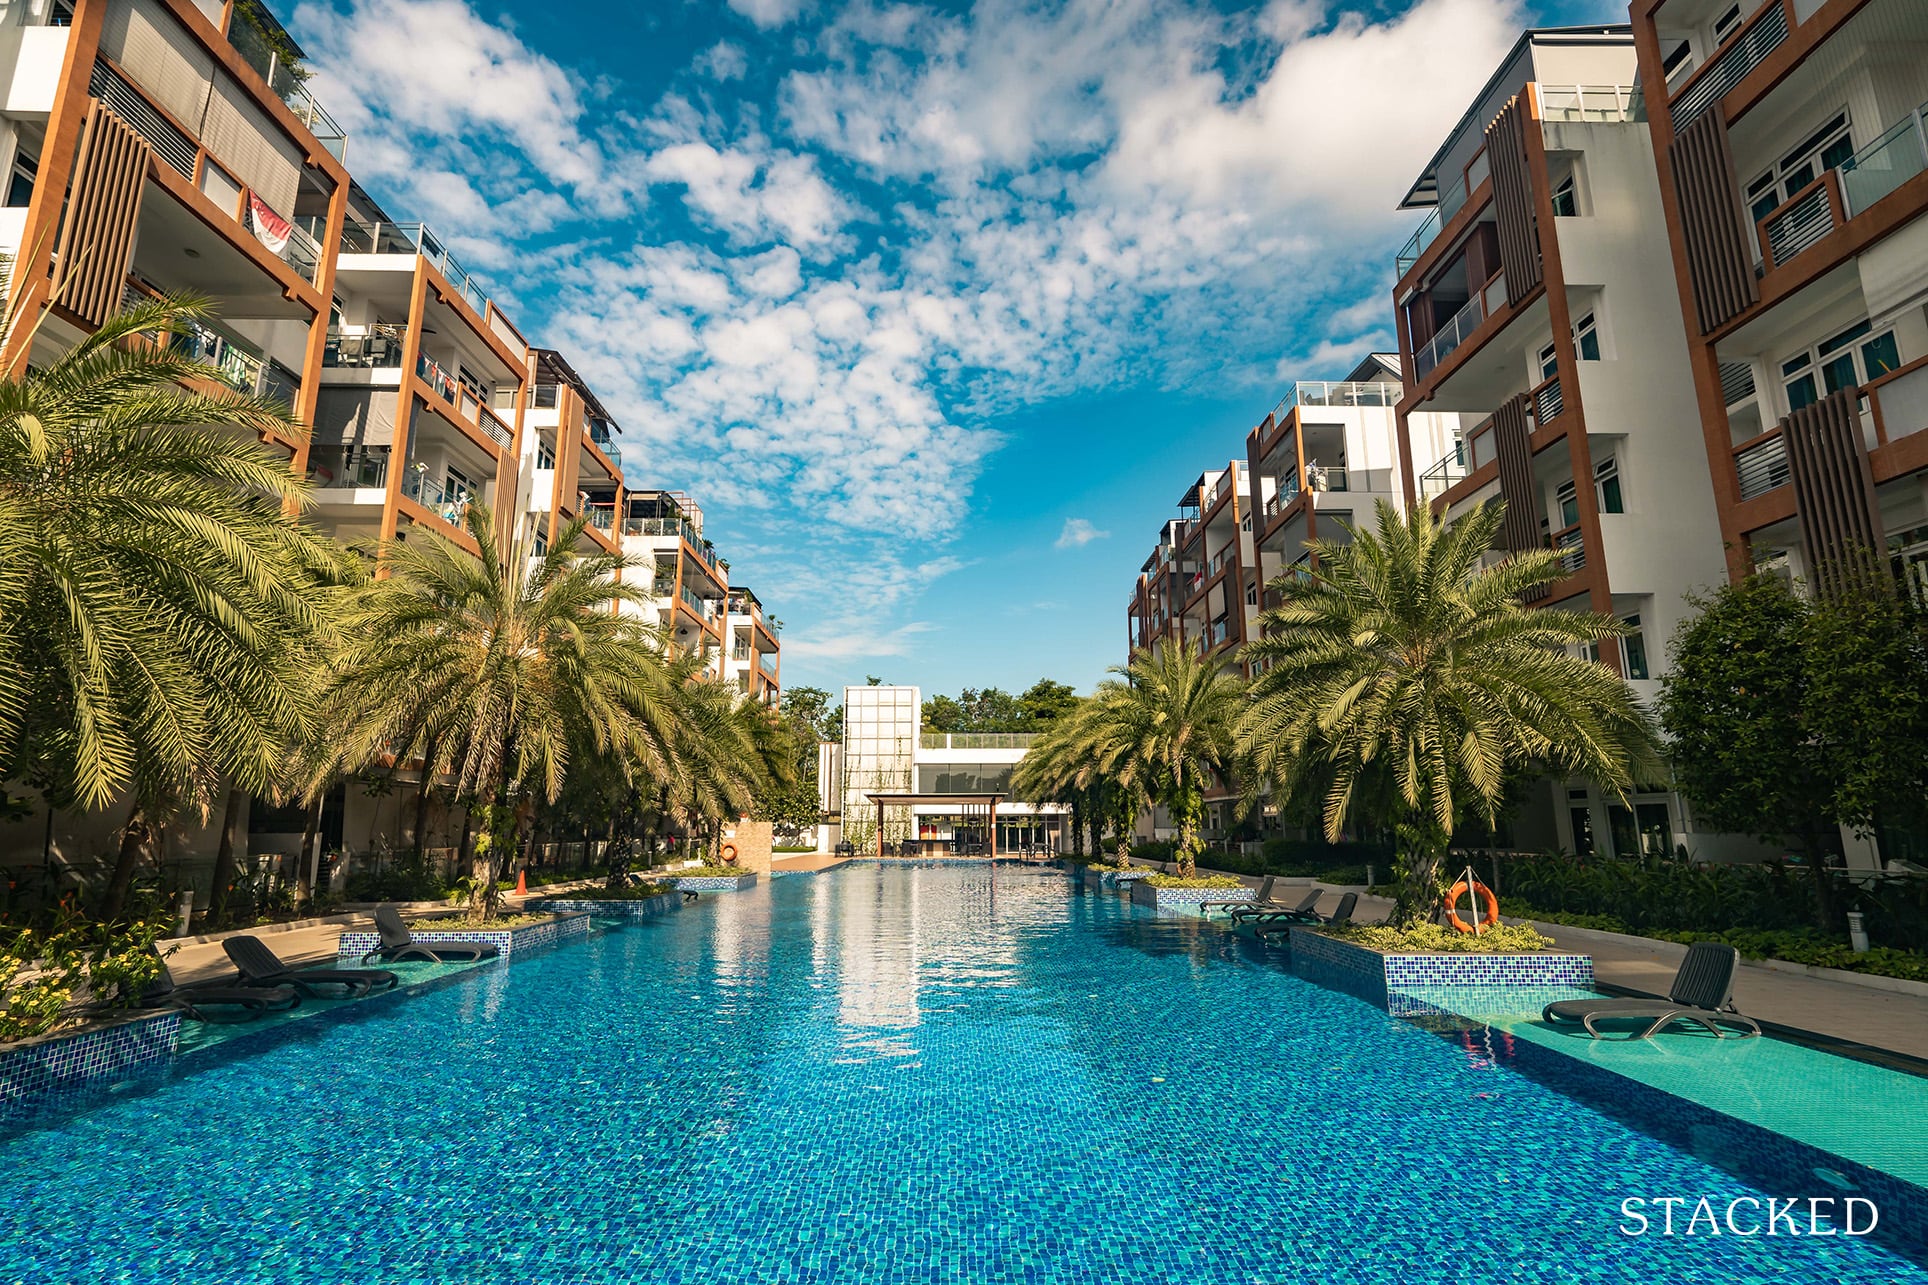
(1518,228)
(1720,264)
(96,242)
(1833,489)
(1520,529)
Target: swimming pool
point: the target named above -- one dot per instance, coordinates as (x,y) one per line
(874,1075)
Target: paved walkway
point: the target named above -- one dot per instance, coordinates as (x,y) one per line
(1879,1019)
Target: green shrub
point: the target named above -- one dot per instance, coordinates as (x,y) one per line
(707,872)
(1501,939)
(1196,881)
(453,923)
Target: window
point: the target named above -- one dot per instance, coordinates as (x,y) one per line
(1586,339)
(1566,203)
(545,455)
(1633,649)
(1821,151)
(26,167)
(1845,360)
(542,544)
(1725,25)
(1567,500)
(1675,59)
(459,486)
(1582,820)
(1606,479)
(1656,828)
(1549,361)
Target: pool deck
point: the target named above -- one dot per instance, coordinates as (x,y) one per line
(1892,1021)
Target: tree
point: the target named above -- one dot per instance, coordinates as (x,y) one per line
(156,600)
(1790,718)
(1400,671)
(499,680)
(942,714)
(1046,701)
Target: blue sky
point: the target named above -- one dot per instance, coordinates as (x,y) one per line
(935,309)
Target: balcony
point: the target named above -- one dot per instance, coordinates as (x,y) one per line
(1569,544)
(601,516)
(1317,392)
(1765,32)
(1761,464)
(1490,298)
(1288,492)
(1885,164)
(338,469)
(379,348)
(1327,477)
(1597,103)
(1801,220)
(468,405)
(289,82)
(1444,475)
(449,505)
(606,443)
(703,607)
(414,239)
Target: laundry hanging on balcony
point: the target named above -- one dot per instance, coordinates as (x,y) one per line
(269,228)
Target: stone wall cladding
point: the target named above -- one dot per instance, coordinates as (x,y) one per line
(1182,899)
(1371,975)
(43,1073)
(714,883)
(641,908)
(510,943)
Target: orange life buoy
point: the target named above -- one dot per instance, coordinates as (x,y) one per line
(1485,919)
(729,854)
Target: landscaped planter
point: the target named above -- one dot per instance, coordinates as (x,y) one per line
(639,908)
(1181,900)
(510,943)
(1108,877)
(43,1072)
(714,883)
(1372,975)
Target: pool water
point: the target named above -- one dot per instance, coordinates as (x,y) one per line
(946,1074)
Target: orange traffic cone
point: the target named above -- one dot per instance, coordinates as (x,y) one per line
(522,883)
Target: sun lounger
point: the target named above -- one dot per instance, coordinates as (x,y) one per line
(398,944)
(1342,913)
(1305,912)
(243,1003)
(1261,898)
(1702,994)
(259,966)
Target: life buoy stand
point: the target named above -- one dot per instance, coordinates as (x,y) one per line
(729,854)
(1481,893)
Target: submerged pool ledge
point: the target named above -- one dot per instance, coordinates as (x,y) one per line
(1377,977)
(50,1070)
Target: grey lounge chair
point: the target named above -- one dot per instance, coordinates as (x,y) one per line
(1262,898)
(1342,913)
(1702,993)
(194,998)
(398,944)
(260,966)
(1305,912)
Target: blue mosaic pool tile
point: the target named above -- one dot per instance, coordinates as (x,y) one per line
(510,943)
(714,883)
(641,908)
(38,1073)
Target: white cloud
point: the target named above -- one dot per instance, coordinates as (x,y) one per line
(1078,532)
(767,14)
(852,639)
(723,61)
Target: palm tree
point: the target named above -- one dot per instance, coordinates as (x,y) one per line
(1401,672)
(499,680)
(155,597)
(731,753)
(1164,734)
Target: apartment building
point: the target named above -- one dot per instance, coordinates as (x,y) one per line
(574,464)
(1536,301)
(1325,455)
(689,584)
(163,145)
(753,662)
(1199,586)
(424,384)
(1793,169)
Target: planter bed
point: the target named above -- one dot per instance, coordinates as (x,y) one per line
(1372,975)
(511,943)
(713,883)
(49,1070)
(638,908)
(1181,900)
(1107,877)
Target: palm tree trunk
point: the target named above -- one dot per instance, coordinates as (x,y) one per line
(135,836)
(1419,881)
(305,872)
(421,815)
(1814,847)
(224,860)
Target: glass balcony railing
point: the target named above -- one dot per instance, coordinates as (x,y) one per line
(1416,245)
(379,346)
(447,503)
(1316,392)
(414,238)
(1464,322)
(601,516)
(1445,475)
(340,469)
(1886,163)
(289,82)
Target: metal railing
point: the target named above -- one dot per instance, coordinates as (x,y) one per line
(1416,244)
(413,238)
(1327,477)
(238,369)
(977,740)
(601,516)
(1317,392)
(1885,164)
(1548,401)
(1570,545)
(1288,491)
(701,606)
(1762,466)
(1802,220)
(1736,382)
(446,504)
(380,346)
(289,82)
(1763,34)
(1450,336)
(1444,475)
(1591,103)
(351,469)
(606,443)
